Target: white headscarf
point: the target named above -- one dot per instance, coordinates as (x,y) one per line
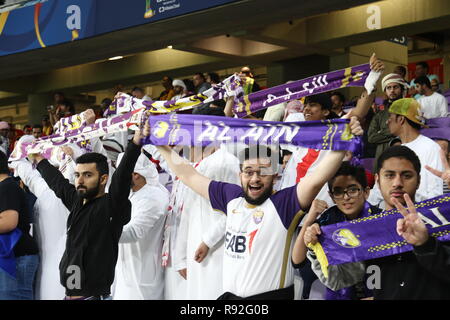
(147,169)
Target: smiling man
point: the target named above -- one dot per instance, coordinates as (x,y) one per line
(260,223)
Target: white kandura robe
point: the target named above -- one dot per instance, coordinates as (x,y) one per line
(199,222)
(49,230)
(139,274)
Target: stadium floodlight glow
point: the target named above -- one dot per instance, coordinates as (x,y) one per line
(115,58)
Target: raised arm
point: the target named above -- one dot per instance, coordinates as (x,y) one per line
(56,181)
(310,185)
(300,250)
(121,180)
(366,100)
(185,172)
(229,107)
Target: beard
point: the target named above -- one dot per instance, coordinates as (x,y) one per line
(260,200)
(87,193)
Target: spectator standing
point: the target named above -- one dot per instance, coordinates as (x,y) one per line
(168,92)
(394,87)
(434,104)
(4,141)
(15,220)
(422,69)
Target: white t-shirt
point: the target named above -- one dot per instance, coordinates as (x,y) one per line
(430,186)
(256,238)
(434,106)
(428,152)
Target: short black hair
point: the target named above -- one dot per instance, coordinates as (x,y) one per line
(403,70)
(3,163)
(285,152)
(137,89)
(423,80)
(214,77)
(322,98)
(27,126)
(37,126)
(208,111)
(106,101)
(423,64)
(219,103)
(413,124)
(201,75)
(339,94)
(69,105)
(346,169)
(259,151)
(399,152)
(189,85)
(100,161)
(259,114)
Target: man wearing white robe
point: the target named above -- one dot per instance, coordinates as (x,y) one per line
(202,225)
(139,274)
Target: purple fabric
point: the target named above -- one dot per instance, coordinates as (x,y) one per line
(439,128)
(7,258)
(187,129)
(220,193)
(349,77)
(375,236)
(287,205)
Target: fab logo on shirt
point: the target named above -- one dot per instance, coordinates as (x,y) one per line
(238,243)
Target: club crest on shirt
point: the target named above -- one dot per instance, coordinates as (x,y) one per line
(346,238)
(258,216)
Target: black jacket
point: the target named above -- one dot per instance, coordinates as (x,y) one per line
(423,273)
(93,229)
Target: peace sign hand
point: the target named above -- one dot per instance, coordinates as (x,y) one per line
(444,175)
(411,227)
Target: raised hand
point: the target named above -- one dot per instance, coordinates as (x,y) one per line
(355,126)
(142,132)
(89,115)
(410,227)
(317,207)
(444,175)
(376,64)
(311,234)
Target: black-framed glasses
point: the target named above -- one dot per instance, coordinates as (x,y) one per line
(262,172)
(352,192)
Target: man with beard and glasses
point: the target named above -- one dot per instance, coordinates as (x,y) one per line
(260,224)
(95,222)
(424,272)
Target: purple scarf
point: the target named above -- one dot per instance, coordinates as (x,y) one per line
(185,129)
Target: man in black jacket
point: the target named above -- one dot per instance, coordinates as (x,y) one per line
(95,222)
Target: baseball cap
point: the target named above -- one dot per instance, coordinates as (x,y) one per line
(409,108)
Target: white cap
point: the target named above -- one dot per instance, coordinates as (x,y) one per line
(145,168)
(180,83)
